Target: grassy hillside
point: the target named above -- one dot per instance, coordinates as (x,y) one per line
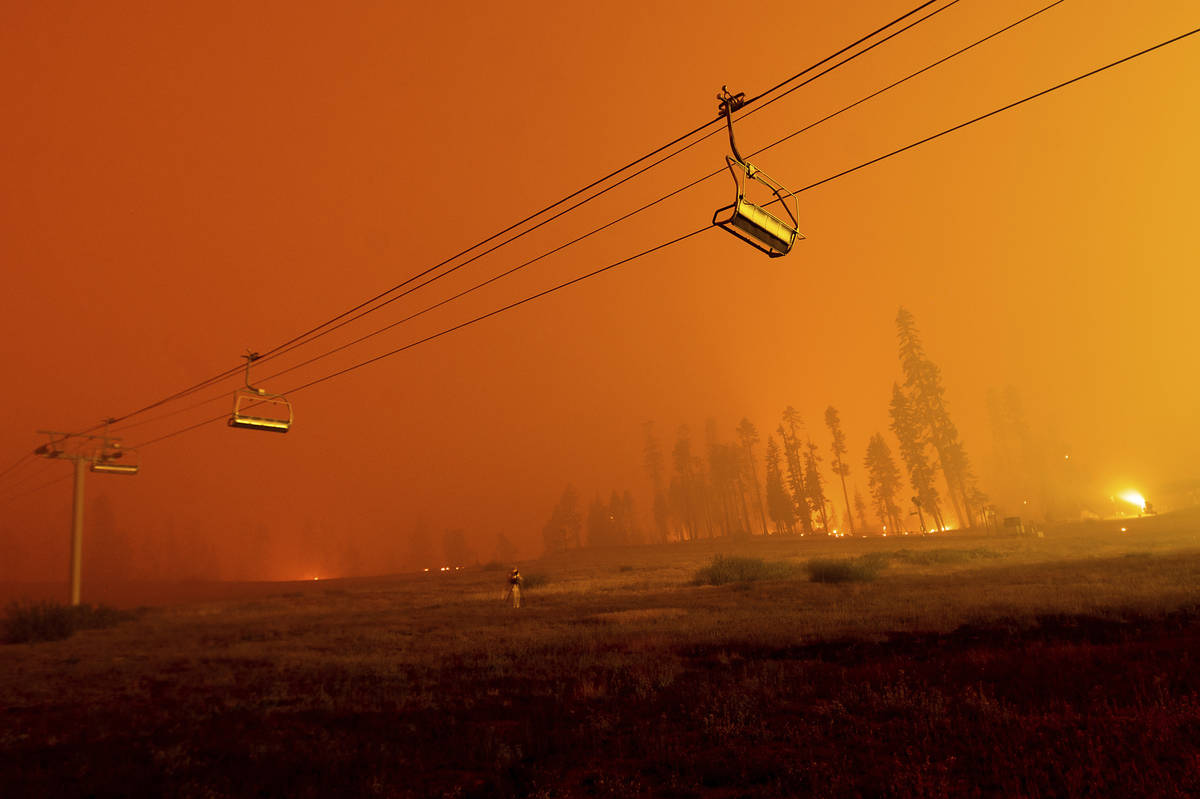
(959,666)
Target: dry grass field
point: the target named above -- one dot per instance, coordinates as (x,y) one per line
(971,665)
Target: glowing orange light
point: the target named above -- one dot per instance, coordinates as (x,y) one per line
(1133,498)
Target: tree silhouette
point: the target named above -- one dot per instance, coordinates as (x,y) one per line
(779,502)
(653,459)
(598,525)
(723,477)
(1017,456)
(687,485)
(814,486)
(883,481)
(789,433)
(860,506)
(840,467)
(912,450)
(929,414)
(561,531)
(748,437)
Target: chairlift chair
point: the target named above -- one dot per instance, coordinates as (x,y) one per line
(750,222)
(256,409)
(114,459)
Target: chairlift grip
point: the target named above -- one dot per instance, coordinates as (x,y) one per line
(729,104)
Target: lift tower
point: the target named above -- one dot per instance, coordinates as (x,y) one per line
(103,454)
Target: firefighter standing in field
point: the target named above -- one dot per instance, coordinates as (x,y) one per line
(514,588)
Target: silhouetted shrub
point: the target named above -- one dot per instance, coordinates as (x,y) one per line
(493,566)
(933,556)
(534,580)
(25,622)
(741,570)
(856,570)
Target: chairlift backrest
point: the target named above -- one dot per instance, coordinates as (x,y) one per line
(111,467)
(753,223)
(114,459)
(255,411)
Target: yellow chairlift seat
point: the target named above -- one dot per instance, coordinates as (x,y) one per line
(255,409)
(110,467)
(115,459)
(754,224)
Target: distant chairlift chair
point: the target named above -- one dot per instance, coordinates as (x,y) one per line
(751,223)
(255,409)
(115,459)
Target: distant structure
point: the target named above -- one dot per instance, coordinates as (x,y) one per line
(103,454)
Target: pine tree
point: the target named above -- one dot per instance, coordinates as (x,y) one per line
(748,437)
(912,450)
(562,530)
(883,482)
(789,433)
(923,386)
(722,470)
(840,467)
(599,526)
(860,506)
(779,502)
(687,485)
(814,486)
(653,460)
(1018,460)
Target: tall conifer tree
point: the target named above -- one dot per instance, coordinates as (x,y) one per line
(883,481)
(840,467)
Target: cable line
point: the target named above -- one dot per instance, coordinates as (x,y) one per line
(622,218)
(663,245)
(299,338)
(17,480)
(295,343)
(444,332)
(34,490)
(594,231)
(16,463)
(598,181)
(982,117)
(781,84)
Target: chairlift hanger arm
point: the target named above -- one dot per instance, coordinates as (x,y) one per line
(727,104)
(251,357)
(750,222)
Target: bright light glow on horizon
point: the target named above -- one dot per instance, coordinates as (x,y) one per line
(1133,498)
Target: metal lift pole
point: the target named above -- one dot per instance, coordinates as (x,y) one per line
(77,530)
(82,457)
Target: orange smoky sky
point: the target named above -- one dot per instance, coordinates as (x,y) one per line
(187,181)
